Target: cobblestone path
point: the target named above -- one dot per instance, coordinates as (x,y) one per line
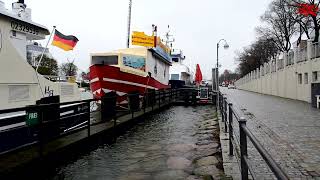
(288,129)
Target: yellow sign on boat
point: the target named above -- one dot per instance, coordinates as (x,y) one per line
(141,39)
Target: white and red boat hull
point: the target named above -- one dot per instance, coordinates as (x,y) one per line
(105,78)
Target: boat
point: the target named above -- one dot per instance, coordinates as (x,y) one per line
(180,74)
(136,69)
(20,84)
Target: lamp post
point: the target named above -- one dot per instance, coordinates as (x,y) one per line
(225,46)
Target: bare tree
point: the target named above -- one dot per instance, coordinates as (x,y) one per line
(69,69)
(256,54)
(280,24)
(310,22)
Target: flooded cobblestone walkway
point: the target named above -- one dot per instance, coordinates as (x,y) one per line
(178,143)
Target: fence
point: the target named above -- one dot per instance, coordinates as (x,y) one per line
(228,113)
(302,54)
(37,124)
(315,50)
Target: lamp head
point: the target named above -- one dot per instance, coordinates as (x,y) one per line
(226,46)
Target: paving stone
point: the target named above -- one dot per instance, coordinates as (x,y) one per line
(178,163)
(205,161)
(172,175)
(208,170)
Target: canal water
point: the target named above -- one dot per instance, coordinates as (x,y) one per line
(177,143)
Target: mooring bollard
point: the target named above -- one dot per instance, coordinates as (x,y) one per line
(230,130)
(243,149)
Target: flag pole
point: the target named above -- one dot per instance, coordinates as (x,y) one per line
(43,51)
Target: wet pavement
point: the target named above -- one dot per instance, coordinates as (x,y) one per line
(288,129)
(178,143)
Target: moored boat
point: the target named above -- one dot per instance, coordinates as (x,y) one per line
(180,73)
(20,84)
(129,70)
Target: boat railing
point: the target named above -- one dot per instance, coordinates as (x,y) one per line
(70,79)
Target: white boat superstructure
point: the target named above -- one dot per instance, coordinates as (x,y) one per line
(20,84)
(178,70)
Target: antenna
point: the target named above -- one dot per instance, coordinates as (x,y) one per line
(168,40)
(129,23)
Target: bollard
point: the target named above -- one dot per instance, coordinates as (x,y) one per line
(230,130)
(243,149)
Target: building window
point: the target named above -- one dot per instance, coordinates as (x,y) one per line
(155,70)
(314,76)
(300,78)
(305,78)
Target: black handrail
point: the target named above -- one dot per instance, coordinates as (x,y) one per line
(65,121)
(244,133)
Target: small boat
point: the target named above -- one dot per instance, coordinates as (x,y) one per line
(129,70)
(20,84)
(180,74)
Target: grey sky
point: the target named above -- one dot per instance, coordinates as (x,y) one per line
(197,25)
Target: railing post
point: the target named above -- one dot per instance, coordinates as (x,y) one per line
(225,108)
(88,117)
(159,98)
(144,103)
(115,128)
(153,99)
(243,149)
(230,129)
(221,108)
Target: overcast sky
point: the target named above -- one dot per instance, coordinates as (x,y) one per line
(197,25)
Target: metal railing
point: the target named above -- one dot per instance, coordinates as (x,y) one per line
(302,54)
(60,119)
(227,114)
(290,58)
(315,50)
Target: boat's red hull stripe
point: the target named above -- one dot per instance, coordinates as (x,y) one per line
(109,78)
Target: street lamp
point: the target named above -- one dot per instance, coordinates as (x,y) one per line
(225,46)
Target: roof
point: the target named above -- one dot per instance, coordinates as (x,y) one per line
(159,53)
(12,16)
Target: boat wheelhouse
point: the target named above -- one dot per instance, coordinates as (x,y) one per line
(129,70)
(180,73)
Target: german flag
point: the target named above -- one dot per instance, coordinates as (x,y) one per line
(64,42)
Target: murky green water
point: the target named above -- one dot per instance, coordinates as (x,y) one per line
(164,146)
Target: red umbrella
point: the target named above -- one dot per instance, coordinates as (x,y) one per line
(198,77)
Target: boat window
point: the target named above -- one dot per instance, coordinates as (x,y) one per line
(175,59)
(105,60)
(174,76)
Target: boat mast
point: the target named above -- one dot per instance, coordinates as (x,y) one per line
(129,23)
(168,35)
